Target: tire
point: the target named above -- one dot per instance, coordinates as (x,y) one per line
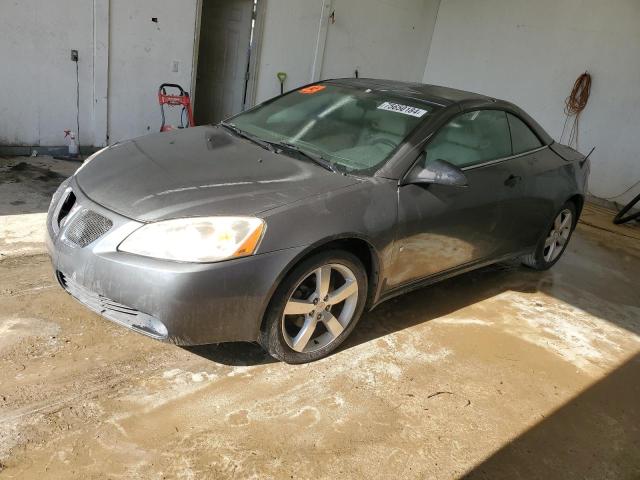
(315,326)
(545,256)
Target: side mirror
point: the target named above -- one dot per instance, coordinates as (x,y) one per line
(438,171)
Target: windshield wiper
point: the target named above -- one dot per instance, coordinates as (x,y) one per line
(317,159)
(248,136)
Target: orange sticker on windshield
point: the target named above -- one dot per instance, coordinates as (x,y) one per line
(312,89)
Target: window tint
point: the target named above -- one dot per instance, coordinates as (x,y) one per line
(472,138)
(522,136)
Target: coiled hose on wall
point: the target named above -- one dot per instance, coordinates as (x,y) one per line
(574,105)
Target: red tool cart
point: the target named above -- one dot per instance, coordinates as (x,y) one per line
(180,100)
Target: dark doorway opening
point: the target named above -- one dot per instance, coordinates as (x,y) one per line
(224,69)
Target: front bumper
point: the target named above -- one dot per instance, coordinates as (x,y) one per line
(182,303)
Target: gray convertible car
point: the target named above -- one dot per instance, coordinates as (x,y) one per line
(283,224)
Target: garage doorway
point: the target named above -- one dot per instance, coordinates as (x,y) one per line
(225,68)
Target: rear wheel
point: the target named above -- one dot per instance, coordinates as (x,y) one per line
(551,247)
(315,308)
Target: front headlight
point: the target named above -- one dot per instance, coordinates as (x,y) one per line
(201,239)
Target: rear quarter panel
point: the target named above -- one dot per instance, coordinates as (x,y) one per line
(549,181)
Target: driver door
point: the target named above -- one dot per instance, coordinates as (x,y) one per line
(443,228)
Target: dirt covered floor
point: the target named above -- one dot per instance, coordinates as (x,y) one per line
(503,373)
(26,187)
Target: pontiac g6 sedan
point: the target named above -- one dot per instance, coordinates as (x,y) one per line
(283,224)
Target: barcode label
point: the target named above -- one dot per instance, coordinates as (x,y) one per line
(406,109)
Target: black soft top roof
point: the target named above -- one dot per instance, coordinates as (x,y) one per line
(430,93)
(443,96)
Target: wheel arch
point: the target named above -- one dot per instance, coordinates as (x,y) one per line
(354,244)
(578,201)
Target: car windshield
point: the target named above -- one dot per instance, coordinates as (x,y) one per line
(356,129)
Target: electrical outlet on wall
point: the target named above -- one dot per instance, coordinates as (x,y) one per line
(74,55)
(175,66)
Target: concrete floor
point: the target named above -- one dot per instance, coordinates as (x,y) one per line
(26,186)
(500,373)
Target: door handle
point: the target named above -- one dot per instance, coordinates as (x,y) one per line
(512,180)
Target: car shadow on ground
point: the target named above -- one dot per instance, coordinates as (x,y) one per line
(440,299)
(238,354)
(572,282)
(397,314)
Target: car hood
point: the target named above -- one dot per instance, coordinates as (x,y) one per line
(198,172)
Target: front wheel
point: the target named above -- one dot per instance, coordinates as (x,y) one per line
(315,308)
(551,246)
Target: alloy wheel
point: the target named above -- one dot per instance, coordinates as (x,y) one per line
(558,236)
(320,308)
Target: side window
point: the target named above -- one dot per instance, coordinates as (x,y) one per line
(472,138)
(521,135)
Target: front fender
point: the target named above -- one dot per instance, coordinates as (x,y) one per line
(366,212)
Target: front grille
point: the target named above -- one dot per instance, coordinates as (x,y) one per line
(53,222)
(66,207)
(86,227)
(114,311)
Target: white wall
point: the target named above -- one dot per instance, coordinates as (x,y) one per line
(381,38)
(37,77)
(141,53)
(289,37)
(531,53)
(124,56)
(527,52)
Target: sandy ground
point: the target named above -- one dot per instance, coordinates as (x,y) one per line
(500,373)
(26,186)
